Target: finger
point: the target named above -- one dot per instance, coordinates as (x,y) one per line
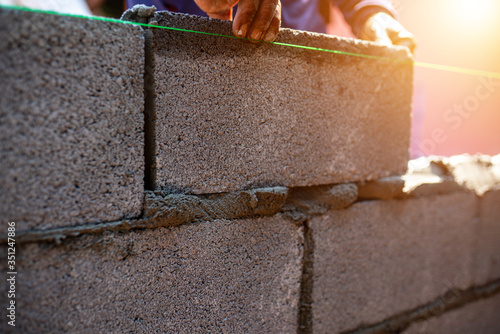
(263,18)
(244,17)
(409,43)
(274,27)
(405,38)
(382,39)
(377,33)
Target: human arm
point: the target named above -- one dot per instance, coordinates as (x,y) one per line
(384,29)
(375,20)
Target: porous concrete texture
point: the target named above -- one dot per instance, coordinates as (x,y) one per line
(378,258)
(481,317)
(231,114)
(239,276)
(488,243)
(71,120)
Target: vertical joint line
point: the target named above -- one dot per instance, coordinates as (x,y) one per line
(149,113)
(305,320)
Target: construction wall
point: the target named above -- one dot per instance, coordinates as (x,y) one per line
(167,181)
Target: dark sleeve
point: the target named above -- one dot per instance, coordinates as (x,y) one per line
(157,3)
(181,6)
(356,12)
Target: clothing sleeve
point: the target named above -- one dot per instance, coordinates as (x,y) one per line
(181,6)
(356,12)
(159,4)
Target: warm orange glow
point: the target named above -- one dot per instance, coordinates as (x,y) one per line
(475,12)
(462,33)
(449,118)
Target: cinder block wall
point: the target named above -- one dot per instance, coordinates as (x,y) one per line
(165,181)
(71,121)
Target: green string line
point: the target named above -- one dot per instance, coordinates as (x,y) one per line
(446,68)
(455,69)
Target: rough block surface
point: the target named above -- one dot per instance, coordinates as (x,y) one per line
(376,259)
(71,120)
(481,317)
(233,114)
(239,276)
(488,243)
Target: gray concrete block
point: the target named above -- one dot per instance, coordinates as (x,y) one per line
(488,243)
(239,276)
(71,120)
(231,114)
(379,258)
(480,317)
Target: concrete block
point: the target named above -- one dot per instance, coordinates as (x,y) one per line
(479,317)
(239,276)
(231,114)
(71,120)
(488,244)
(379,258)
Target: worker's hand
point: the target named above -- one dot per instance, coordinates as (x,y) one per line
(384,29)
(254,19)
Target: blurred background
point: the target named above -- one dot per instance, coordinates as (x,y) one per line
(110,8)
(453,113)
